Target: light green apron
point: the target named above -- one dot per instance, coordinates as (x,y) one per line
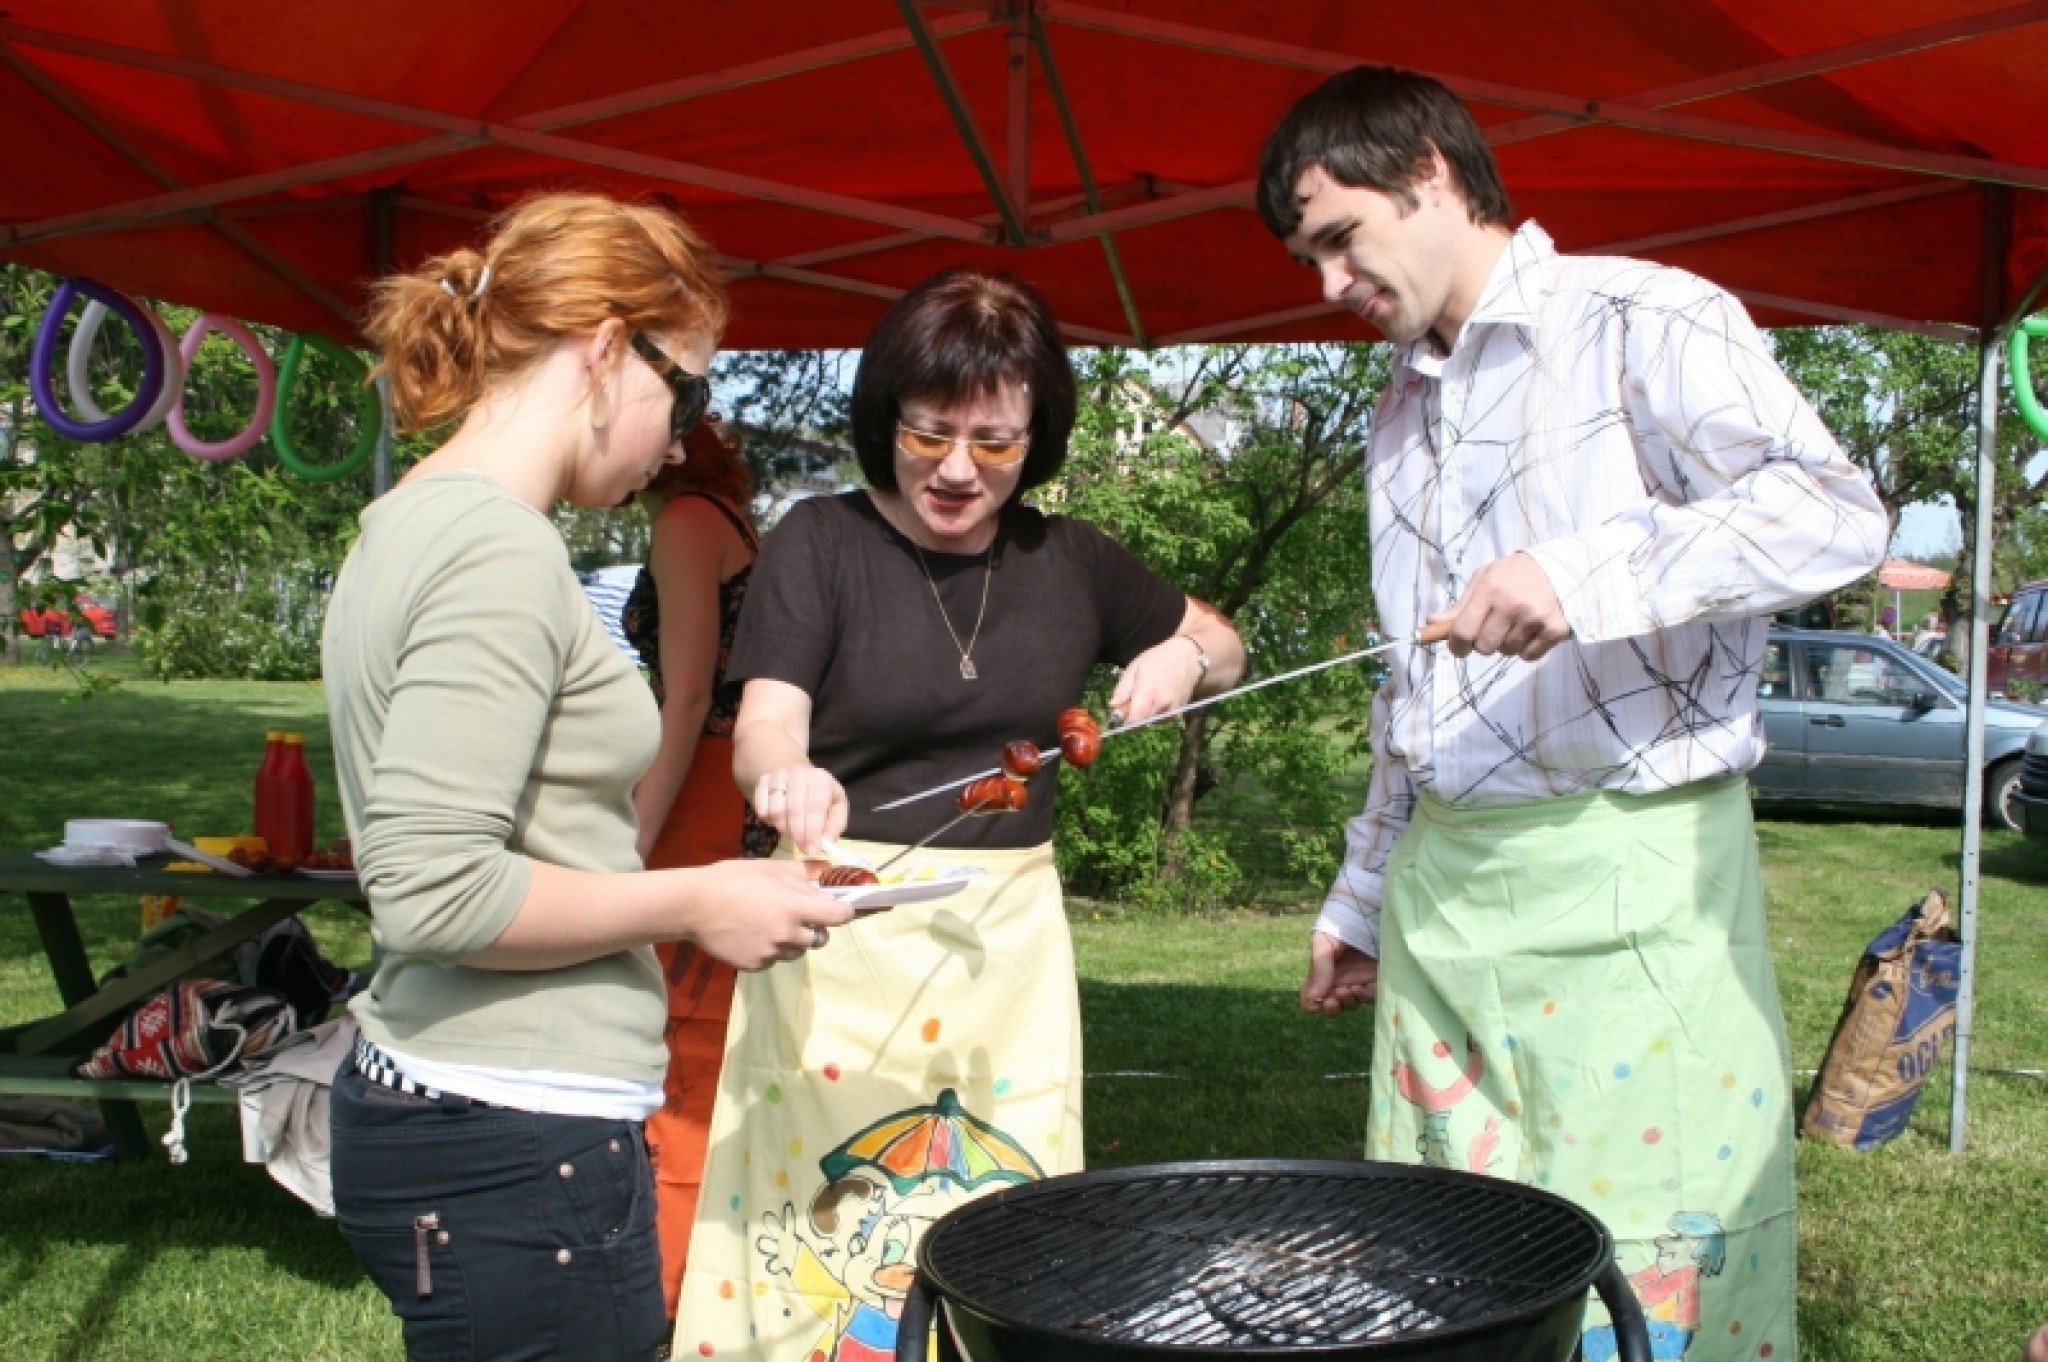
(1577,993)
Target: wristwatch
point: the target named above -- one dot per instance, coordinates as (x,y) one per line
(1201,656)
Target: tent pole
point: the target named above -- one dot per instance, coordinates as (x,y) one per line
(1015,232)
(1973,750)
(1110,253)
(1980,640)
(1017,114)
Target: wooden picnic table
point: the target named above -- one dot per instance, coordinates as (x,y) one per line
(36,1057)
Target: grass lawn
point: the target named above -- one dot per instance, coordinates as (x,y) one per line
(1194,1049)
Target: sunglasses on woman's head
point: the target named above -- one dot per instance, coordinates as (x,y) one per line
(927,444)
(693,391)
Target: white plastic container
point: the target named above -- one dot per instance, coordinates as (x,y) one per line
(136,836)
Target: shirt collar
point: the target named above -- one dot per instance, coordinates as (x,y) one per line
(1512,297)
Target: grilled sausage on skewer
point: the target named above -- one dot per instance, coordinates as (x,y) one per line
(846,877)
(1080,739)
(1020,759)
(994,794)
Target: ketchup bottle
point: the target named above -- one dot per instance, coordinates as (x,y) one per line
(267,773)
(293,840)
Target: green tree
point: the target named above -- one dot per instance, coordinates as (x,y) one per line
(1239,479)
(789,400)
(1904,406)
(40,486)
(222,568)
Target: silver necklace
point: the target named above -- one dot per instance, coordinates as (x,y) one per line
(967,671)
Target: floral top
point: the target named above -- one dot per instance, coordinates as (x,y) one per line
(641,620)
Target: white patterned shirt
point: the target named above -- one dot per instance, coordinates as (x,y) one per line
(1625,424)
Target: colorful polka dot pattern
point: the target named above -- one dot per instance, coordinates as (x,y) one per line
(1603,1162)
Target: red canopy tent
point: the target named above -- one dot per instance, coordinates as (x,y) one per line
(1877,161)
(1829,161)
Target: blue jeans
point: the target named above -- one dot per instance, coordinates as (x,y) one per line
(499,1234)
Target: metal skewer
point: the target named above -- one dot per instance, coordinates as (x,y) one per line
(1435,635)
(929,837)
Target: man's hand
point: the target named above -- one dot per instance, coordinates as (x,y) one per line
(1509,608)
(1340,977)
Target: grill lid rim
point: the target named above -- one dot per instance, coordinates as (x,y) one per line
(1336,1169)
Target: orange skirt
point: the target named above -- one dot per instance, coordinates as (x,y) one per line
(705,825)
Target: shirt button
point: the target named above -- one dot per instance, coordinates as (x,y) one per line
(563,1256)
(615,1146)
(567,1170)
(441,1238)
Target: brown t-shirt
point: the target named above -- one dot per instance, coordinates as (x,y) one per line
(840,609)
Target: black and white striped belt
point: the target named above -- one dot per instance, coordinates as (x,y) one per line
(376,1066)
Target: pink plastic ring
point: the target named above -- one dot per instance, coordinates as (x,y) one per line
(266,390)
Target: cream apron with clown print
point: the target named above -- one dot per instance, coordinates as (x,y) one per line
(1649,1085)
(927,1055)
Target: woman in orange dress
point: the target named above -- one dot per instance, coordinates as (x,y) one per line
(681,616)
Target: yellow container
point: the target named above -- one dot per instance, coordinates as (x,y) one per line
(221,846)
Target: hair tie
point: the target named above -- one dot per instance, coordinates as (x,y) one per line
(476,290)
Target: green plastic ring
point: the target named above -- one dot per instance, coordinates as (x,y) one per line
(369,411)
(2023,382)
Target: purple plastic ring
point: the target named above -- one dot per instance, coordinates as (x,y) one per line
(130,416)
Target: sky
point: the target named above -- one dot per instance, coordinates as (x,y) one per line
(1929,529)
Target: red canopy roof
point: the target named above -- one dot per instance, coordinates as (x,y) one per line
(1834,159)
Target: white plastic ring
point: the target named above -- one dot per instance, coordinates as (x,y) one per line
(77,364)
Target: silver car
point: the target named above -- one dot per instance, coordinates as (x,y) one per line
(1854,719)
(2030,801)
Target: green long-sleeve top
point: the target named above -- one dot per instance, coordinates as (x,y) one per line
(483,720)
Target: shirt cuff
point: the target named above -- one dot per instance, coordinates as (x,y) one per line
(1351,923)
(1595,583)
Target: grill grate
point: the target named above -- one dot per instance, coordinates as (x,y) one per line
(1342,1254)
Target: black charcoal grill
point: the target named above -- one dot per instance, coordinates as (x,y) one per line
(1294,1258)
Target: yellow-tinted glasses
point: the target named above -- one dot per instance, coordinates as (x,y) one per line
(925,444)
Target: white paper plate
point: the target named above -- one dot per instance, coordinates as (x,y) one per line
(873,898)
(140,836)
(328,874)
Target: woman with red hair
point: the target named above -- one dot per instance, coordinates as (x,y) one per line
(681,618)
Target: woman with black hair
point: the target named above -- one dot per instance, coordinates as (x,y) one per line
(896,638)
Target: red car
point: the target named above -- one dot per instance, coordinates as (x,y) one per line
(2019,641)
(50,622)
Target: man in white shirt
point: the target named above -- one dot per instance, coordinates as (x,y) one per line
(1593,472)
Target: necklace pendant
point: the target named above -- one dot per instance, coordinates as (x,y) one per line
(967,672)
